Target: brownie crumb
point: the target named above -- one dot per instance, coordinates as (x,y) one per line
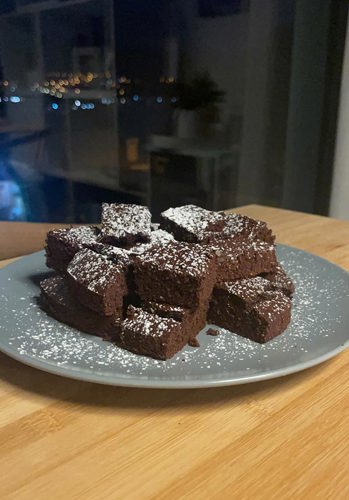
(212,332)
(194,343)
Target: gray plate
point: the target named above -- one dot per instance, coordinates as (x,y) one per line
(319,330)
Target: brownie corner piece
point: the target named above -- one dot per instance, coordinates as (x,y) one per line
(158,237)
(150,334)
(192,319)
(191,223)
(178,274)
(97,282)
(252,308)
(63,244)
(241,226)
(243,258)
(281,281)
(125,224)
(273,314)
(58,301)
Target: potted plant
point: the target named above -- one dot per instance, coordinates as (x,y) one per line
(197,106)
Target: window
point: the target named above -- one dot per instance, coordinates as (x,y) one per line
(236,99)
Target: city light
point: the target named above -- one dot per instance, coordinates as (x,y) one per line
(73,86)
(107,100)
(88,105)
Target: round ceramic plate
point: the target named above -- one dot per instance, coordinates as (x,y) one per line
(319,330)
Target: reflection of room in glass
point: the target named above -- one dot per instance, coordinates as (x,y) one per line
(114,85)
(11,201)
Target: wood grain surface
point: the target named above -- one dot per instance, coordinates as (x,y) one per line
(279,439)
(22,238)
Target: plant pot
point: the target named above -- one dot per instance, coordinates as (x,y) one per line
(186,124)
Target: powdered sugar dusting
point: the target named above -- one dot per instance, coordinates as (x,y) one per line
(272,304)
(77,237)
(239,225)
(249,289)
(319,324)
(231,248)
(281,280)
(147,324)
(93,270)
(194,219)
(179,258)
(157,237)
(115,254)
(123,220)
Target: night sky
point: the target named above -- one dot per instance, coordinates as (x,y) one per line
(140,27)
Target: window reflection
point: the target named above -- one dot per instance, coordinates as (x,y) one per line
(154,102)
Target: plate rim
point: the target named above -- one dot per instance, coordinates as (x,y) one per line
(140,381)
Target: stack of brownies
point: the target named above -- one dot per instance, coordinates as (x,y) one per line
(151,290)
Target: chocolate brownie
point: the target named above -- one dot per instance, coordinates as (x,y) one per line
(239,228)
(168,280)
(63,244)
(198,225)
(194,319)
(157,237)
(253,308)
(153,335)
(243,227)
(238,259)
(126,256)
(124,225)
(190,223)
(178,274)
(114,254)
(161,237)
(58,301)
(281,280)
(96,282)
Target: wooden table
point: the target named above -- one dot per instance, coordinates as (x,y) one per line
(284,438)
